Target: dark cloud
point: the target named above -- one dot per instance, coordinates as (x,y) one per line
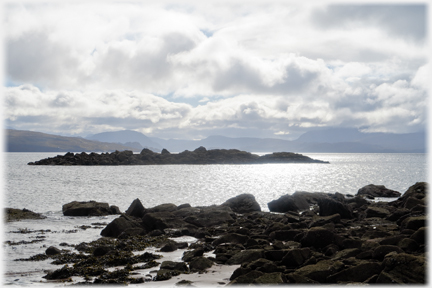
(407,21)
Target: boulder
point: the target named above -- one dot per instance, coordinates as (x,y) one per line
(318,237)
(358,273)
(231,238)
(52,251)
(13,214)
(298,201)
(377,191)
(200,264)
(381,251)
(136,209)
(247,278)
(296,257)
(414,223)
(118,225)
(243,203)
(172,265)
(403,268)
(321,270)
(271,279)
(89,208)
(379,212)
(328,206)
(246,256)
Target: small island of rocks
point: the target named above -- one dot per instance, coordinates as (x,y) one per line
(199,156)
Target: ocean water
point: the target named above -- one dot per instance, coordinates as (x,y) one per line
(44,189)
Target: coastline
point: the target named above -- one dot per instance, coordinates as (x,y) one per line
(372,224)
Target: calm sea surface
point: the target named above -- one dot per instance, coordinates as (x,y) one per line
(44,189)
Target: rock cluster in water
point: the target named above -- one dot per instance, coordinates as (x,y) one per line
(316,238)
(199,156)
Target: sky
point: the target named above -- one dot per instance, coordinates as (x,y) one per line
(191,69)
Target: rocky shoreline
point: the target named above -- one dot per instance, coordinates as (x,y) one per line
(199,156)
(314,238)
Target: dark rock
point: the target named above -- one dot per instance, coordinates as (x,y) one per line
(13,214)
(231,238)
(243,203)
(419,236)
(101,250)
(90,208)
(131,232)
(296,257)
(271,278)
(382,250)
(377,191)
(118,225)
(328,206)
(52,251)
(171,265)
(321,270)
(403,268)
(299,201)
(167,207)
(200,264)
(408,245)
(247,278)
(170,246)
(285,235)
(373,211)
(189,255)
(165,152)
(414,223)
(358,273)
(246,256)
(136,209)
(323,220)
(115,210)
(318,237)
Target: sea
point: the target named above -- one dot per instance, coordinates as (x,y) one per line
(45,189)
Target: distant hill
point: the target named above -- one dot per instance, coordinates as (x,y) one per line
(29,141)
(333,140)
(126,137)
(409,142)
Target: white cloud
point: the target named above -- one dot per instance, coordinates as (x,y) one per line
(267,65)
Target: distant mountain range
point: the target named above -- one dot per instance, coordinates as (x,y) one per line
(332,140)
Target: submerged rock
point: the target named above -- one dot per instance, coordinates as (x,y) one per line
(13,214)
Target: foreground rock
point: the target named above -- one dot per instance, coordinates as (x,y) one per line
(377,242)
(199,156)
(89,208)
(12,214)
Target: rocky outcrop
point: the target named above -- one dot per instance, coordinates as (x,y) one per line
(12,214)
(372,191)
(199,156)
(89,208)
(377,242)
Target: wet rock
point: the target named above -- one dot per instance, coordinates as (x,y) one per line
(247,278)
(170,246)
(231,238)
(200,264)
(414,223)
(89,208)
(382,250)
(321,270)
(419,236)
(246,256)
(358,273)
(318,237)
(373,211)
(172,265)
(328,206)
(377,191)
(101,251)
(403,268)
(13,214)
(296,257)
(136,209)
(189,255)
(52,251)
(243,203)
(271,279)
(323,220)
(118,225)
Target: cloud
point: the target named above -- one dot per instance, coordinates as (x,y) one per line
(273,67)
